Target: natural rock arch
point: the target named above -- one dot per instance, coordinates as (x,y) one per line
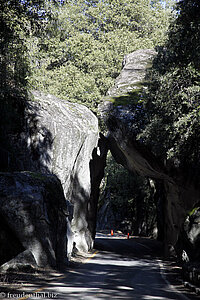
(180,191)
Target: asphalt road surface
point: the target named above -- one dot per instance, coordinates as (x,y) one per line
(119,269)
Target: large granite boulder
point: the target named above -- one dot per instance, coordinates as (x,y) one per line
(132,78)
(119,112)
(62,138)
(189,237)
(33,221)
(192,230)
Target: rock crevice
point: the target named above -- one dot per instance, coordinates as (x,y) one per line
(60,138)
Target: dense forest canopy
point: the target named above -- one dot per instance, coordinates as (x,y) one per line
(18,19)
(172,106)
(74,49)
(80,52)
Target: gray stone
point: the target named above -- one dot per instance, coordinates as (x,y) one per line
(97,166)
(193,232)
(180,192)
(132,75)
(61,138)
(189,237)
(34,208)
(22,262)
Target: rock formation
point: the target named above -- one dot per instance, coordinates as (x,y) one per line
(62,138)
(97,166)
(119,113)
(33,221)
(189,238)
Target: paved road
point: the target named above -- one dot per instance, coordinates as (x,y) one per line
(120,269)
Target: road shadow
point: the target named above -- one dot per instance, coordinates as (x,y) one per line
(138,247)
(109,275)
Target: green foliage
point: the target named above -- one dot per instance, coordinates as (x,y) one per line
(130,197)
(190,213)
(80,52)
(172,106)
(130,98)
(184,36)
(15,27)
(19,22)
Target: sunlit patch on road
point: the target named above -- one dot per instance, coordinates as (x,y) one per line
(154,298)
(125,288)
(119,269)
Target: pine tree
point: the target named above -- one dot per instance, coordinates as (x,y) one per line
(82,50)
(19,20)
(172,106)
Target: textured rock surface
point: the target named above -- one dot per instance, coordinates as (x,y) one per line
(193,233)
(97,166)
(180,194)
(24,261)
(34,210)
(133,73)
(188,248)
(189,238)
(61,138)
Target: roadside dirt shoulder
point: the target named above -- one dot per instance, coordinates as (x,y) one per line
(173,274)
